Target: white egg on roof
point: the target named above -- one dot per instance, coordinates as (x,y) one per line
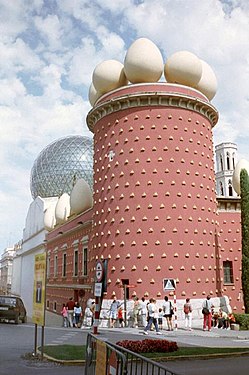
(109,75)
(62,209)
(49,218)
(183,67)
(208,82)
(81,197)
(242,164)
(143,62)
(93,95)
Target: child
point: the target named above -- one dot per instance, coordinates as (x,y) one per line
(120,317)
(64,314)
(160,318)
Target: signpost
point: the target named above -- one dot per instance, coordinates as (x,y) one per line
(170,285)
(98,290)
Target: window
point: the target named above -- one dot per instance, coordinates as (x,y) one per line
(233,161)
(230,188)
(64,265)
(76,262)
(228,161)
(221,163)
(55,266)
(85,254)
(48,267)
(221,189)
(54,305)
(228,272)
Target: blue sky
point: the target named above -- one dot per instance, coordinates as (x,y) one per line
(49,49)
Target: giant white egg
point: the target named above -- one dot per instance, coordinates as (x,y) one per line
(81,197)
(93,95)
(109,75)
(183,67)
(242,164)
(208,82)
(143,62)
(62,209)
(49,218)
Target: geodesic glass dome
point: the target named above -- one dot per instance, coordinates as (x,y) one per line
(60,164)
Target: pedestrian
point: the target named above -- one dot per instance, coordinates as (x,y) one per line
(70,308)
(187,308)
(160,318)
(64,313)
(153,316)
(93,307)
(77,314)
(120,317)
(114,311)
(207,313)
(135,312)
(144,311)
(87,317)
(223,320)
(168,312)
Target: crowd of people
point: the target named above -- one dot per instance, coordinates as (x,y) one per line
(73,316)
(146,314)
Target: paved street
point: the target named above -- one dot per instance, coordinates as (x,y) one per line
(16,341)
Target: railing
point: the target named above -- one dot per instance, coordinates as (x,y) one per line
(107,358)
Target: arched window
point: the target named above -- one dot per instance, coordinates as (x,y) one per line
(233,161)
(221,163)
(228,161)
(230,188)
(221,189)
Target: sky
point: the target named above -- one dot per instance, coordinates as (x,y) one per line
(49,49)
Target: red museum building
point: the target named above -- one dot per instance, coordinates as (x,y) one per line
(155,212)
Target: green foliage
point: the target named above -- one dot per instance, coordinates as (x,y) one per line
(65,352)
(244,188)
(242,320)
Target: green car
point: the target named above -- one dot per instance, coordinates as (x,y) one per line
(12,308)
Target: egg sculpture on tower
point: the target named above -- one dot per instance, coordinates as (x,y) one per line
(154,209)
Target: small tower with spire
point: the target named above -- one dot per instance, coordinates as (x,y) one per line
(226,159)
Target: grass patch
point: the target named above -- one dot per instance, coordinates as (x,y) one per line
(196,351)
(77,352)
(66,352)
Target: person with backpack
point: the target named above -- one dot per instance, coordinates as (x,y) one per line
(168,312)
(187,308)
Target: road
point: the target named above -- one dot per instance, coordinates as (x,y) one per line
(17,340)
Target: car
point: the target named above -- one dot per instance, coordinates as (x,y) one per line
(12,308)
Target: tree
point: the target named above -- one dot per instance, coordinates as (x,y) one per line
(244,188)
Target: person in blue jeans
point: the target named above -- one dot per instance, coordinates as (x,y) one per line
(153,316)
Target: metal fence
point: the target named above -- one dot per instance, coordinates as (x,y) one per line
(104,358)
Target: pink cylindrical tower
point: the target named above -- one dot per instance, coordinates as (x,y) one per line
(154,189)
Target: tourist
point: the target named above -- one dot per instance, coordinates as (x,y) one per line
(77,314)
(64,313)
(207,313)
(136,308)
(160,318)
(168,312)
(187,308)
(143,311)
(70,306)
(120,317)
(114,311)
(153,316)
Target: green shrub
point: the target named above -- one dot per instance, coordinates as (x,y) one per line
(242,320)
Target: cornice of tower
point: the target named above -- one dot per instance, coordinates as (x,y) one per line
(159,96)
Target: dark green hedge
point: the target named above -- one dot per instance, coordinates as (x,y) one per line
(242,320)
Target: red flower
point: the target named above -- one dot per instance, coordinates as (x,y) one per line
(149,346)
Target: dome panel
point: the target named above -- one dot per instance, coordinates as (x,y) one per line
(59,164)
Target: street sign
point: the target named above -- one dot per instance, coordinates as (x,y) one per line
(169,284)
(98,289)
(99,270)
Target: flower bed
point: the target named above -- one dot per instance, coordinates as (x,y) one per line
(149,346)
